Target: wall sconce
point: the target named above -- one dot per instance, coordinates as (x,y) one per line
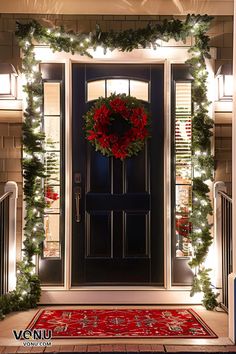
(224,78)
(8,77)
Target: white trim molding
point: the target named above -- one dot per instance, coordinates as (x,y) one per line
(12,187)
(168,294)
(119,295)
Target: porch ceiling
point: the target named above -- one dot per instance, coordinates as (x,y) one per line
(119,7)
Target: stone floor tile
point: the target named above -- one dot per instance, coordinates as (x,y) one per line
(119,348)
(132,348)
(80,348)
(157,347)
(66,348)
(37,349)
(23,349)
(52,349)
(146,348)
(200,348)
(107,348)
(94,348)
(10,349)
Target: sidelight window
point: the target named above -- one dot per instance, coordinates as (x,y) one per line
(183,168)
(52,184)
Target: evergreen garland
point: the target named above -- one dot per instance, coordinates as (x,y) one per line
(27,292)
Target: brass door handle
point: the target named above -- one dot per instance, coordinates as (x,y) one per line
(77,204)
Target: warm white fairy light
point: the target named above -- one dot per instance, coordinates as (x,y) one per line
(27,44)
(48,31)
(198,231)
(197,53)
(27,156)
(203,202)
(72,39)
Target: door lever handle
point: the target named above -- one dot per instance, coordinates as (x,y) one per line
(77,204)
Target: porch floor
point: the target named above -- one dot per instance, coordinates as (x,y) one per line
(216,320)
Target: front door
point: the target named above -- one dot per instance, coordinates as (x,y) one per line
(118,217)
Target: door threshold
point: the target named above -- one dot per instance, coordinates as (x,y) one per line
(118,296)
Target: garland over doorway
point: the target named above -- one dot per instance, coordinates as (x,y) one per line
(27,292)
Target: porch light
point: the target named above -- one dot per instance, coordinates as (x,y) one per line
(224,78)
(8,77)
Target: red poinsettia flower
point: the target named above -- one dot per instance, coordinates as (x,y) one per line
(102,115)
(91,135)
(183,226)
(118,105)
(50,194)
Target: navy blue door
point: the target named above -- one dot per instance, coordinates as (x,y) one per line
(117,206)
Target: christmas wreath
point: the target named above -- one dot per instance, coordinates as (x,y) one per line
(117,126)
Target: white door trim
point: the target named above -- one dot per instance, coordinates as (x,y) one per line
(167,294)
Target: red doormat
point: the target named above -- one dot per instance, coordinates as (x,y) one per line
(122,323)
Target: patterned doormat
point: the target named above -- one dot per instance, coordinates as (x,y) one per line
(122,323)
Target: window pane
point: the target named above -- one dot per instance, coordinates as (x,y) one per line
(51,98)
(52,166)
(95,90)
(5,87)
(117,86)
(139,89)
(228,85)
(52,195)
(52,133)
(52,241)
(183,168)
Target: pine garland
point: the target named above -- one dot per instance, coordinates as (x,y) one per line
(27,292)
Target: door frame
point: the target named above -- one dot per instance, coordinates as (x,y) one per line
(166,55)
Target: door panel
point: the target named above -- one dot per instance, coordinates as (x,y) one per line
(119,239)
